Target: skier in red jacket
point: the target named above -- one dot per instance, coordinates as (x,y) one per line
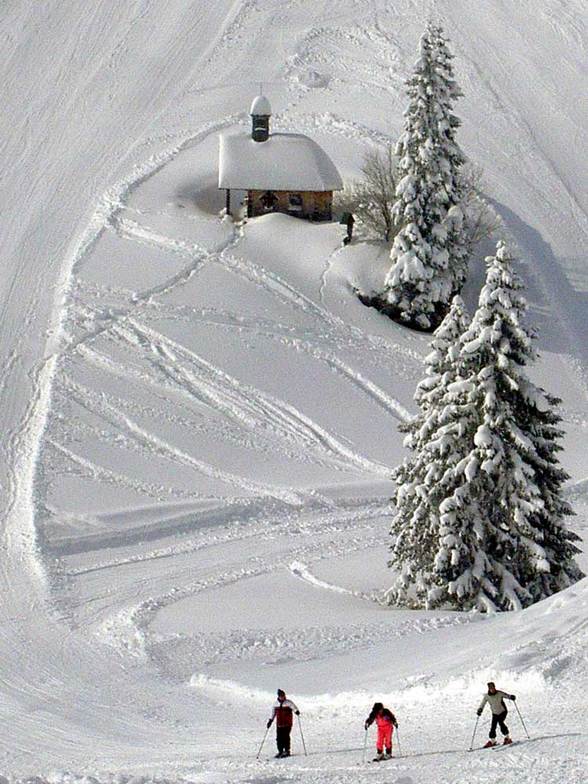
(282,713)
(385,721)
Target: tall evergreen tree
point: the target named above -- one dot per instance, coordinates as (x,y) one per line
(423,480)
(501,540)
(429,254)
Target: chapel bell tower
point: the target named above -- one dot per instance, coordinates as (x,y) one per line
(260,116)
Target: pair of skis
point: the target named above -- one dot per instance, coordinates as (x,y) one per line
(497,746)
(280,756)
(383,758)
(471,748)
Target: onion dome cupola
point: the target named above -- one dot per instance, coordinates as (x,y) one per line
(260,115)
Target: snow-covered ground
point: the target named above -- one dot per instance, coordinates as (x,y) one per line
(199,419)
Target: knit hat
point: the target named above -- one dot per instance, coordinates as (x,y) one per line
(281,693)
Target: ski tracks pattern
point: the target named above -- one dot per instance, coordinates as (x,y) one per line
(119,333)
(243,405)
(164,383)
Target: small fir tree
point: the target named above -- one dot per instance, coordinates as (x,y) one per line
(501,541)
(429,254)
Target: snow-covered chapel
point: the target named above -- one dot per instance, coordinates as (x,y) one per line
(281,172)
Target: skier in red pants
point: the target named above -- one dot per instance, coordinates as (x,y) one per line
(385,721)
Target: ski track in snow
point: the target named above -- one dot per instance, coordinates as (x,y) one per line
(228,522)
(270,281)
(275,285)
(302,571)
(266,408)
(249,407)
(151,444)
(344,529)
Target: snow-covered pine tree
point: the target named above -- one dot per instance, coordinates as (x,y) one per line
(480,518)
(513,478)
(503,543)
(429,254)
(423,480)
(458,241)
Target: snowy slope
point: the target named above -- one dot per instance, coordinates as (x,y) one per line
(200,420)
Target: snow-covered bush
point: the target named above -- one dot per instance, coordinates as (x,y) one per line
(372,198)
(480,518)
(480,220)
(429,254)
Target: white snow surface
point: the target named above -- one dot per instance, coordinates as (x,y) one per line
(199,419)
(285,161)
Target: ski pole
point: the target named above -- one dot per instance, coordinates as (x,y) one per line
(302,736)
(474,733)
(398,739)
(365,743)
(522,722)
(262,742)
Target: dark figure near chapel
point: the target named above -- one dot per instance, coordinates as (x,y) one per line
(347,220)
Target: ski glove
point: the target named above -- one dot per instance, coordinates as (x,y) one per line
(479,711)
(297,713)
(513,696)
(269,724)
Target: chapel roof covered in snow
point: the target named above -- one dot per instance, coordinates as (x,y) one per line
(285,162)
(260,106)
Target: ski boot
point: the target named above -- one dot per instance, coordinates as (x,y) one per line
(490,744)
(379,757)
(507,741)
